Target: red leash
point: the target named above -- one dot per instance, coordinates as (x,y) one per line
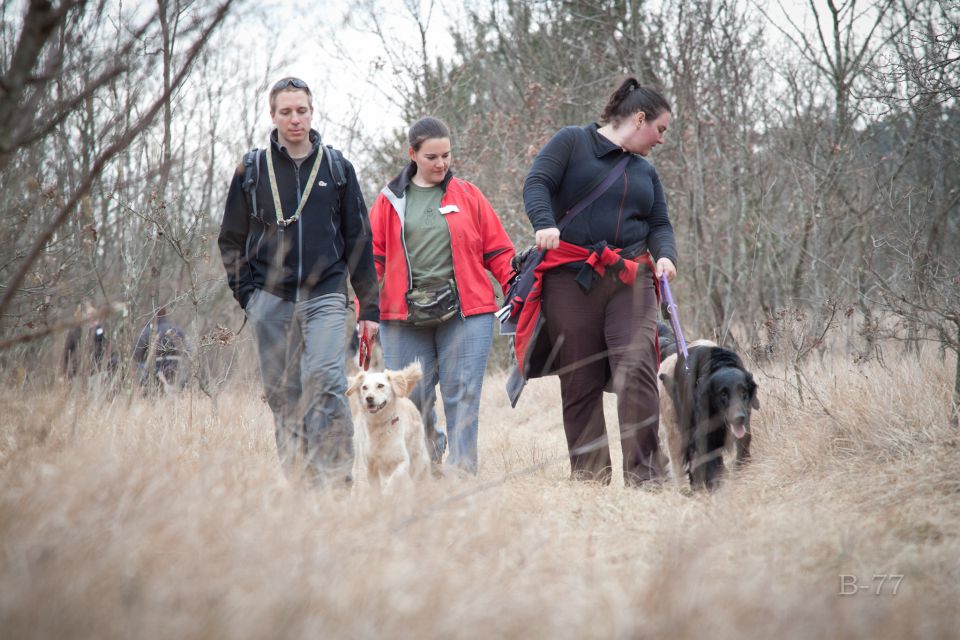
(363,353)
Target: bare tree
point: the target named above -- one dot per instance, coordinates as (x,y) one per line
(916,249)
(79,82)
(709,166)
(838,51)
(24,89)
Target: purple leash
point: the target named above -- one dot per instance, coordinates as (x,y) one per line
(678,340)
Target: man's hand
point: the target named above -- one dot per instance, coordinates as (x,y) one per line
(369,328)
(548,238)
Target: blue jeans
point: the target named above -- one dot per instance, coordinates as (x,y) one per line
(455,355)
(301,347)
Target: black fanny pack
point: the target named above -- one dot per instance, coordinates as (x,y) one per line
(433,304)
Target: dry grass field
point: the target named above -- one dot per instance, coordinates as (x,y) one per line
(140,518)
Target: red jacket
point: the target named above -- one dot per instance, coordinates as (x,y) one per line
(478,244)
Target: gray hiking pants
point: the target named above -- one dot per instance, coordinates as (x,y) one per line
(301,351)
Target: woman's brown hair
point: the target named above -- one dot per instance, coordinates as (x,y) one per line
(426,128)
(629,98)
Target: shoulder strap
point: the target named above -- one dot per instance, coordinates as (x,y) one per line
(251,176)
(607,182)
(336,167)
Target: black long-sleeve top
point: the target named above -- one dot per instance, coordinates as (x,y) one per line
(630,214)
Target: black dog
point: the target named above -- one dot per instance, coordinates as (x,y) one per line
(712,396)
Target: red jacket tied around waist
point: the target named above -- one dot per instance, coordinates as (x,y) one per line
(599,260)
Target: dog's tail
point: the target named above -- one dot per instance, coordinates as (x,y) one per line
(413,373)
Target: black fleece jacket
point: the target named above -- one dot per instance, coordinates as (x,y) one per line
(632,214)
(310,257)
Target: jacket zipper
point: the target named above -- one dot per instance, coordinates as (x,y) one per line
(452,260)
(403,243)
(299,223)
(406,254)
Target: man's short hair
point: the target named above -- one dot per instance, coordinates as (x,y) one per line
(289,83)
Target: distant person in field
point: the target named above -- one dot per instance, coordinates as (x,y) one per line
(598,290)
(87,349)
(435,237)
(161,353)
(288,241)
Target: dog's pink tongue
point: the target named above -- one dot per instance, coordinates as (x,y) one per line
(738,431)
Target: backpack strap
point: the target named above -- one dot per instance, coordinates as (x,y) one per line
(336,167)
(251,177)
(251,173)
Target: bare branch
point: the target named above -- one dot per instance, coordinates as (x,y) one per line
(108,154)
(64,325)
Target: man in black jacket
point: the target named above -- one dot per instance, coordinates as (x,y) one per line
(287,251)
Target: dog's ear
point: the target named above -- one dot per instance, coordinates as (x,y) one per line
(752,386)
(354,383)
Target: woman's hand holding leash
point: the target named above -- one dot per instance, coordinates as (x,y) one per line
(665,267)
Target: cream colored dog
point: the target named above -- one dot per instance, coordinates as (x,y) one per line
(396,450)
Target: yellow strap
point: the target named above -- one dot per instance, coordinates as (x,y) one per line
(306,192)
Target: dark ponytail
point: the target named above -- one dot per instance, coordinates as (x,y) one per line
(629,98)
(426,128)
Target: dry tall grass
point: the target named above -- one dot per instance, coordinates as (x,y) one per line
(170,519)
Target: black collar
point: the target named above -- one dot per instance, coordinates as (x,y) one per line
(278,148)
(601,144)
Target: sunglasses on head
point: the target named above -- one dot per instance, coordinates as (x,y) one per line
(296,83)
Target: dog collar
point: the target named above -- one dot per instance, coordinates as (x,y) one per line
(395,420)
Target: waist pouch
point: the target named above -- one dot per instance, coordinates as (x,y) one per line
(433,304)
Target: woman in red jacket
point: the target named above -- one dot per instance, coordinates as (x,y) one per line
(434,239)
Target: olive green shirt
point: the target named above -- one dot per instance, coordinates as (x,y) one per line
(427,236)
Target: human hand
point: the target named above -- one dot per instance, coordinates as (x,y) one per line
(665,266)
(548,238)
(369,328)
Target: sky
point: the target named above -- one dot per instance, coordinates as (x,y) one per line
(331,47)
(346,65)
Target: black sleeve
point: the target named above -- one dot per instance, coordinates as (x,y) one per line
(358,247)
(233,240)
(661,240)
(545,178)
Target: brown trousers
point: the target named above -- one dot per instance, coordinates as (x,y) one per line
(610,330)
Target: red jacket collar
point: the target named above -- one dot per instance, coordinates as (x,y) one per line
(398,186)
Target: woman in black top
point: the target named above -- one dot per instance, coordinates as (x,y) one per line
(601,327)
